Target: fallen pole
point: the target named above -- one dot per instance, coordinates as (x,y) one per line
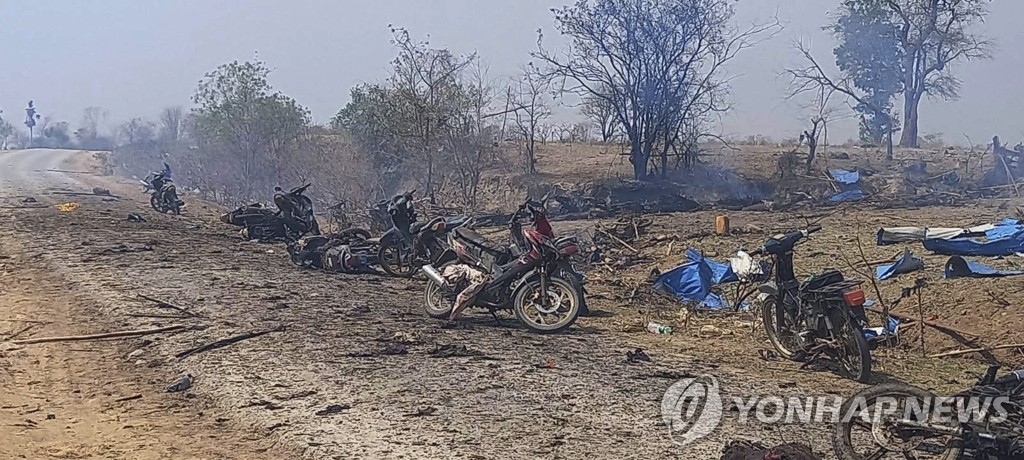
(976,350)
(225,342)
(108,335)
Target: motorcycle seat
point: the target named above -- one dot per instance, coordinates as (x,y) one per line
(821,280)
(479,241)
(453,222)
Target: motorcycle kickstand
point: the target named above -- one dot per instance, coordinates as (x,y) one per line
(494,315)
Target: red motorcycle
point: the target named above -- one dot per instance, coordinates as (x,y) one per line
(532,284)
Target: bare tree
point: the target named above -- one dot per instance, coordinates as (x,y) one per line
(660,59)
(812,79)
(172,124)
(601,113)
(528,90)
(137,130)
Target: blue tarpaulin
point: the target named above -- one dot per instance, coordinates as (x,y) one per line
(693,280)
(845,177)
(905,264)
(1005,238)
(958,267)
(849,191)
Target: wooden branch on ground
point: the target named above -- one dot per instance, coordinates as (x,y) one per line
(619,240)
(225,342)
(932,324)
(162,304)
(108,335)
(976,350)
(85,194)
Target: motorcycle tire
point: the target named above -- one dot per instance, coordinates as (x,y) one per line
(842,436)
(385,259)
(435,301)
(175,207)
(853,345)
(355,234)
(568,291)
(155,203)
(771,310)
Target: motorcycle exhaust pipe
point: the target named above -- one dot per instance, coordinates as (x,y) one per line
(435,276)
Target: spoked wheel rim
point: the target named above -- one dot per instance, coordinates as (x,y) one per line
(396,260)
(436,302)
(875,431)
(783,337)
(562,306)
(848,353)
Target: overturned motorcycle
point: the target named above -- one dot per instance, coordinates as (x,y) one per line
(344,252)
(532,285)
(293,220)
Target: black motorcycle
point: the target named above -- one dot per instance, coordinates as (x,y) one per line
(410,244)
(296,209)
(822,315)
(984,422)
(163,194)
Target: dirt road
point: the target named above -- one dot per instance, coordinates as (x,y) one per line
(352,369)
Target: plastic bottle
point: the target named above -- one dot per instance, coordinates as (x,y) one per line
(657,328)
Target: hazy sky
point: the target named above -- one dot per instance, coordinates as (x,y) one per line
(133,57)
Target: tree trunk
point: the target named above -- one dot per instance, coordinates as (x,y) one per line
(639,161)
(909,139)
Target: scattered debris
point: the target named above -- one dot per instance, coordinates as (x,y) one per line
(30,199)
(181,384)
(637,356)
(123,249)
(225,342)
(136,218)
(395,348)
(754,450)
(67,207)
(422,412)
(359,309)
(163,304)
(333,409)
(129,398)
(453,351)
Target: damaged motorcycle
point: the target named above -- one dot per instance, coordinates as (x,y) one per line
(822,315)
(894,420)
(410,244)
(163,194)
(533,284)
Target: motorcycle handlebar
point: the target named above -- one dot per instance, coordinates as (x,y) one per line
(813,228)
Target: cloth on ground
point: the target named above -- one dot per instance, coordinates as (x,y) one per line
(958,267)
(693,280)
(905,264)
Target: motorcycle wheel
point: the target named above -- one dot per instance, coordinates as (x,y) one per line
(395,259)
(853,353)
(530,312)
(783,337)
(155,203)
(887,441)
(175,207)
(435,302)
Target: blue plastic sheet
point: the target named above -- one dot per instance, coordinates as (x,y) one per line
(905,264)
(1006,238)
(845,177)
(693,280)
(958,267)
(892,328)
(849,191)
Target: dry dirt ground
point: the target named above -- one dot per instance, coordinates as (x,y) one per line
(324,383)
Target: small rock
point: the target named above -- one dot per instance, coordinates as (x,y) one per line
(51,416)
(637,356)
(360,309)
(29,199)
(135,353)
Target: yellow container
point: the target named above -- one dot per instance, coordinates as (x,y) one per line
(721,225)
